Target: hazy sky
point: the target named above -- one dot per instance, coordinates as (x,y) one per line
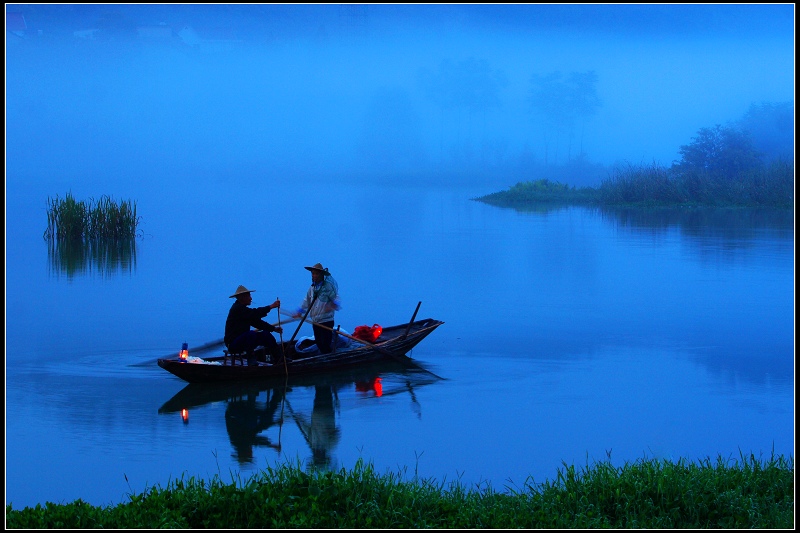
(338,90)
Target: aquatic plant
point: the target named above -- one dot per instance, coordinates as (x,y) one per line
(71,220)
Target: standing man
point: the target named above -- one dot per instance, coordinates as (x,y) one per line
(238,335)
(323,300)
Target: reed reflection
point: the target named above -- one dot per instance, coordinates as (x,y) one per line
(258,415)
(84,256)
(739,224)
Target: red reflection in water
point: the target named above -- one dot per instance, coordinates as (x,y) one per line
(370,386)
(185,415)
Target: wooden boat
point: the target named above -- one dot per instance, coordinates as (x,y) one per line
(407,376)
(394,343)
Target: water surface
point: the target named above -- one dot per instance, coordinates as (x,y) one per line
(570,335)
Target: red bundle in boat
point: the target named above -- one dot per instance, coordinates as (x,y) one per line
(368,333)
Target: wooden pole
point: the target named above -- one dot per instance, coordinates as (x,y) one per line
(402,358)
(408,328)
(283,350)
(362,341)
(314,299)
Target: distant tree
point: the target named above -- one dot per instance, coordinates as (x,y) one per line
(561,103)
(547,98)
(469,86)
(771,127)
(585,102)
(720,152)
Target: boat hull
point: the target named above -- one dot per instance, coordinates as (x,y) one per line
(393,344)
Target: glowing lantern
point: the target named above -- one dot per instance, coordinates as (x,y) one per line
(185,415)
(184,355)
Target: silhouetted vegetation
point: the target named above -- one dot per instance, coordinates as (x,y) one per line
(563,105)
(647,494)
(72,220)
(771,127)
(720,167)
(465,89)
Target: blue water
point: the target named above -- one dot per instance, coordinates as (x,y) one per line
(570,335)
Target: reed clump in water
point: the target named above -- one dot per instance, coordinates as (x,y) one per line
(650,493)
(72,220)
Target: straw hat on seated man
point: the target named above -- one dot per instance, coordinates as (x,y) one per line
(239,338)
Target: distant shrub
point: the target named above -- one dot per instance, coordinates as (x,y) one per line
(540,191)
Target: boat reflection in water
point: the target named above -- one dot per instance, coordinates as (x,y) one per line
(254,409)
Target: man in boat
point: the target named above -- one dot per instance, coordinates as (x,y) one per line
(239,338)
(321,302)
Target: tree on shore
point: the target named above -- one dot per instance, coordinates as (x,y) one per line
(720,152)
(771,126)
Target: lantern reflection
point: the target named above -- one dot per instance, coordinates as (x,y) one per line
(375,385)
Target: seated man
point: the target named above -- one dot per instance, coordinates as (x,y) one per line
(239,338)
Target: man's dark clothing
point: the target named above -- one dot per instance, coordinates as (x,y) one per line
(324,337)
(241,318)
(238,336)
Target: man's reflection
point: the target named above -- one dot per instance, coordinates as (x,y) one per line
(320,430)
(245,420)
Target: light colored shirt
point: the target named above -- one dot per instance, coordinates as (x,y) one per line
(327,303)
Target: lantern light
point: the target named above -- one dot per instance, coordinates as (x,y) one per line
(184,354)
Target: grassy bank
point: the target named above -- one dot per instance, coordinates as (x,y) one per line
(748,493)
(649,186)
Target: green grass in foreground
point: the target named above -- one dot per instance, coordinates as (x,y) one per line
(649,493)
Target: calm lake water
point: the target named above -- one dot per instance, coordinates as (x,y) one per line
(570,336)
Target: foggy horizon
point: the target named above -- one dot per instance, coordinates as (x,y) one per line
(350,91)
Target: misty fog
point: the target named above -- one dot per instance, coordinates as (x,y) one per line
(117,93)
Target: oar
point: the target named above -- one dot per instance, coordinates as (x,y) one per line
(408,328)
(402,359)
(314,299)
(283,402)
(362,341)
(283,350)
